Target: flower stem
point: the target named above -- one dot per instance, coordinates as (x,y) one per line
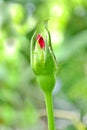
(49,108)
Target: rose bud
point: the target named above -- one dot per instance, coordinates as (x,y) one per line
(43,61)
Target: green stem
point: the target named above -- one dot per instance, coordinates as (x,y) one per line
(49,108)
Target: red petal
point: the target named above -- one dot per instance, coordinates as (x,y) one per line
(40,41)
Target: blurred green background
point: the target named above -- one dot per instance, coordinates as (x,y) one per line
(22,103)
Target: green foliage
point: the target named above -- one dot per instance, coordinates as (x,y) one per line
(67,22)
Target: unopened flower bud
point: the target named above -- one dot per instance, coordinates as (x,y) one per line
(43,61)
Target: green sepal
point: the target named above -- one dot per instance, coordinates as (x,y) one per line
(43,61)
